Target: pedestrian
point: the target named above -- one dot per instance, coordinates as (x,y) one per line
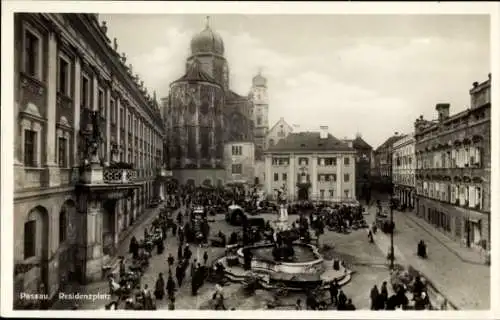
(170,287)
(349,306)
(179,253)
(187,253)
(134,247)
(174,229)
(123,269)
(170,260)
(194,265)
(205,258)
(160,246)
(334,290)
(171,304)
(384,295)
(147,299)
(342,299)
(374,298)
(298,305)
(179,274)
(160,287)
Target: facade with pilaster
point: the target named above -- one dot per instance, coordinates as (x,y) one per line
(313,166)
(403,170)
(453,173)
(65,69)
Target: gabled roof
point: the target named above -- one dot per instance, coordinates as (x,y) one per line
(281,120)
(309,141)
(195,73)
(389,142)
(360,143)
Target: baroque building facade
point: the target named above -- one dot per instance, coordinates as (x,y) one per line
(403,170)
(311,166)
(202,114)
(67,69)
(453,174)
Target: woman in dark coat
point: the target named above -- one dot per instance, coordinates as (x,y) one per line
(134,247)
(170,287)
(160,287)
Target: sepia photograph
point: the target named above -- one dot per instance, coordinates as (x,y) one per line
(239,161)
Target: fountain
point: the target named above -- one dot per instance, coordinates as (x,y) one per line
(284,261)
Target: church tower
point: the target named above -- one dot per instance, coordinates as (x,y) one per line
(207,48)
(260,101)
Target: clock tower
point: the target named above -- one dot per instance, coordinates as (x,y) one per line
(260,101)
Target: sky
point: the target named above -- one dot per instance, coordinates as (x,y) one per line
(367,74)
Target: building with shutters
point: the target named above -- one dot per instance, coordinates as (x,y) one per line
(311,166)
(453,173)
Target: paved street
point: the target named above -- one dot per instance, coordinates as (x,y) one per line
(465,284)
(368,261)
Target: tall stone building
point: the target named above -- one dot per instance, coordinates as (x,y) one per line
(453,175)
(259,96)
(403,170)
(73,92)
(202,113)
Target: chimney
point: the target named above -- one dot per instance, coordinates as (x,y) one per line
(443,110)
(323,132)
(475,84)
(396,133)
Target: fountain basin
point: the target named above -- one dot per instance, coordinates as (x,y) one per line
(308,260)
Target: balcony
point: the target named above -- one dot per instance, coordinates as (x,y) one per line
(119,176)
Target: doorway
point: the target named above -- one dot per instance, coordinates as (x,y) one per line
(303,193)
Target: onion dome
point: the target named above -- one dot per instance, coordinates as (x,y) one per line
(207,41)
(259,80)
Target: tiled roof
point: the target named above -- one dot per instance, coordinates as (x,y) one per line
(196,73)
(389,142)
(360,143)
(309,141)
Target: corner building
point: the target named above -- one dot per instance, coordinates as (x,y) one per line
(453,175)
(65,67)
(202,114)
(313,166)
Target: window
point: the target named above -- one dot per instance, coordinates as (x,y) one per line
(284,176)
(334,177)
(303,161)
(29,239)
(259,121)
(62,155)
(237,150)
(479,198)
(101,103)
(271,142)
(62,226)
(63,76)
(276,177)
(330,161)
(112,108)
(346,161)
(346,177)
(32,54)
(322,194)
(237,168)
(331,193)
(85,92)
(346,193)
(30,148)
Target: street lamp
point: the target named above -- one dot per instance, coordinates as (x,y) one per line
(392,226)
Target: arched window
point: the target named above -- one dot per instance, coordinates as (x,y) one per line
(271,142)
(63,223)
(29,239)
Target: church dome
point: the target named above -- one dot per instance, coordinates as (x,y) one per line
(259,81)
(207,41)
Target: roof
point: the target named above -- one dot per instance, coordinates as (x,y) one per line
(389,142)
(281,120)
(360,143)
(231,95)
(196,73)
(309,141)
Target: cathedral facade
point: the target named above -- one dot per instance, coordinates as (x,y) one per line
(203,114)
